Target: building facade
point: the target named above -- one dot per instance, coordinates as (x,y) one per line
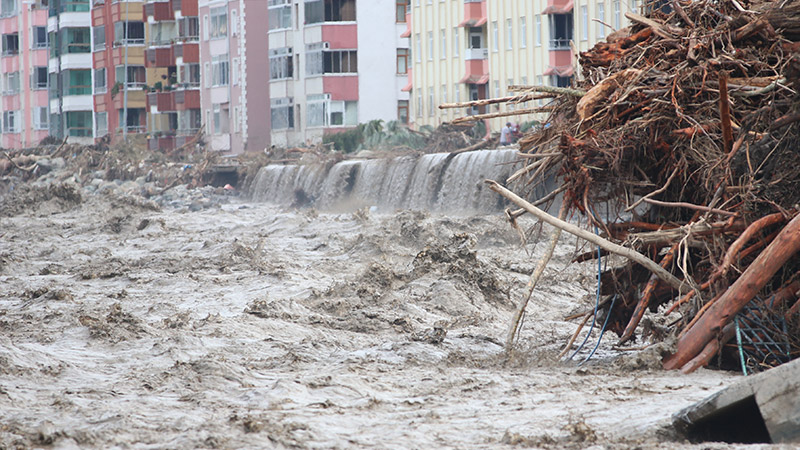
(474,49)
(70,70)
(335,64)
(172,67)
(234,93)
(119,80)
(25,105)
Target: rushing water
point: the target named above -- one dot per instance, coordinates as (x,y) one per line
(436,182)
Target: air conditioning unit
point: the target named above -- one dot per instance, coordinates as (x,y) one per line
(326,45)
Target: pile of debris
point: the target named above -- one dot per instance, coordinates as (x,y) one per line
(681,143)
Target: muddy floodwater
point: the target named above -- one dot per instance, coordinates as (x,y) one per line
(245,325)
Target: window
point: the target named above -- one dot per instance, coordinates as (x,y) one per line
(343,113)
(634,6)
(237,123)
(10,44)
(133,121)
(8,8)
(431,102)
(189,28)
(235,72)
(496,85)
(79,123)
(99,34)
(133,34)
(443,49)
(330,61)
(455,42)
(457,92)
(523,32)
(78,40)
(584,23)
(100,82)
(209,123)
(135,76)
(317,11)
(538,30)
(402,61)
(41,118)
(419,104)
(560,31)
(39,78)
(39,40)
(189,75)
(207,74)
(430,45)
(221,119)
(189,121)
(509,34)
(617,15)
(234,22)
(495,37)
(418,47)
(101,121)
(443,98)
(219,70)
(206,26)
(10,83)
(281,113)
(402,8)
(557,80)
(162,33)
(11,122)
(280,63)
(601,17)
(402,111)
(219,22)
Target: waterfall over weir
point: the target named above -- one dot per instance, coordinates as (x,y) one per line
(436,182)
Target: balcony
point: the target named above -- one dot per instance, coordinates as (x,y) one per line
(476,53)
(189,51)
(187,99)
(186,7)
(559,44)
(163,101)
(159,57)
(159,10)
(160,142)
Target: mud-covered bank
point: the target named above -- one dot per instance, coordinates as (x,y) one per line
(238,325)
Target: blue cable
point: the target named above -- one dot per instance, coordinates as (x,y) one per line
(596,300)
(602,331)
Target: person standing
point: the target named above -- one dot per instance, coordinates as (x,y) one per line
(505,134)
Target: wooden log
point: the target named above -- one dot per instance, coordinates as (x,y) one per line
(745,237)
(710,350)
(647,295)
(725,113)
(749,29)
(755,277)
(628,253)
(517,112)
(602,90)
(493,101)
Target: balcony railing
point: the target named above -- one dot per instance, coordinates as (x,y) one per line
(477,53)
(133,129)
(559,44)
(129,41)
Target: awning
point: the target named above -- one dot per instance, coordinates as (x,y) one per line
(473,22)
(406,33)
(475,79)
(407,87)
(556,9)
(562,71)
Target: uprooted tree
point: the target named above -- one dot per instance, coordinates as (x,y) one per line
(681,143)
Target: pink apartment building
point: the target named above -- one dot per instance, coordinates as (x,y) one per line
(24,62)
(234,90)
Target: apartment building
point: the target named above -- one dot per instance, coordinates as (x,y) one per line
(70,70)
(172,66)
(234,93)
(474,49)
(24,82)
(335,64)
(119,81)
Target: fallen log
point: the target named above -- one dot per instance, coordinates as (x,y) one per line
(754,278)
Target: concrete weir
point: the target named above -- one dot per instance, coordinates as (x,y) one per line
(436,182)
(761,408)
